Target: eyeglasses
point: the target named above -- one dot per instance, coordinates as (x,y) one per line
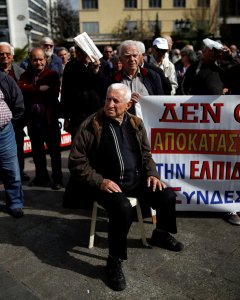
(8,54)
(48,45)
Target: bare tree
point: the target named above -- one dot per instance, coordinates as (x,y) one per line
(125,32)
(65,21)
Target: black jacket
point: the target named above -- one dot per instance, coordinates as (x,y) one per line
(166,84)
(12,95)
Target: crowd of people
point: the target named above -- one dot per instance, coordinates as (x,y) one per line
(99,100)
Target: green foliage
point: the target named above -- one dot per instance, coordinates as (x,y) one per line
(20,53)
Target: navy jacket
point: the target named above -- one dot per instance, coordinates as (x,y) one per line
(12,95)
(151,80)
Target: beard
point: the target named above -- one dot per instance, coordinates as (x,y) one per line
(49,52)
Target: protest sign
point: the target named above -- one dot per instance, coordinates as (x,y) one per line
(195,141)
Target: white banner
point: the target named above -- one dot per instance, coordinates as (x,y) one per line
(65,138)
(195,141)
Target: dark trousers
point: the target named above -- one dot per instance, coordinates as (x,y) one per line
(120,214)
(19,134)
(40,132)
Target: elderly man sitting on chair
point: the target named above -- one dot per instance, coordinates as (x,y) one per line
(111,159)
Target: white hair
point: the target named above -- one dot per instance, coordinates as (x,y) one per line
(124,88)
(9,45)
(141,47)
(127,43)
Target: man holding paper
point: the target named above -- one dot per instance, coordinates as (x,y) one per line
(83,86)
(83,93)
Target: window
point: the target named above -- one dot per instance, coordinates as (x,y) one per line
(233,8)
(3,11)
(90,4)
(4,24)
(152,26)
(37,18)
(203,3)
(130,3)
(179,3)
(91,27)
(130,27)
(37,9)
(155,3)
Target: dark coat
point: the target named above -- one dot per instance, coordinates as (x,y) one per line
(151,80)
(83,161)
(166,84)
(12,95)
(82,93)
(33,95)
(202,79)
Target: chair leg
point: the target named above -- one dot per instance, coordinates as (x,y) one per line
(134,202)
(93,225)
(141,225)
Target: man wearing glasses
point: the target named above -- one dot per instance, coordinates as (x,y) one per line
(141,81)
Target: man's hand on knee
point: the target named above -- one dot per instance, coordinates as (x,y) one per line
(155,183)
(110,186)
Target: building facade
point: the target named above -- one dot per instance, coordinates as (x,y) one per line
(110,22)
(24,22)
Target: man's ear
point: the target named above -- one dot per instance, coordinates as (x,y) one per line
(129,104)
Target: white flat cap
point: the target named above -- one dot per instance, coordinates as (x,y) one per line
(161,43)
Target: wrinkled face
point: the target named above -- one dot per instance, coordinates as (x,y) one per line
(38,60)
(158,54)
(48,49)
(63,54)
(115,104)
(130,59)
(6,58)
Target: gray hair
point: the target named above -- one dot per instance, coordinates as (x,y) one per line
(190,54)
(127,43)
(124,88)
(10,46)
(46,40)
(141,47)
(62,49)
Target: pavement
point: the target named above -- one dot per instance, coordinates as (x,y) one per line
(44,255)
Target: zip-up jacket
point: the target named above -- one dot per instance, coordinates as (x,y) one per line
(151,80)
(82,159)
